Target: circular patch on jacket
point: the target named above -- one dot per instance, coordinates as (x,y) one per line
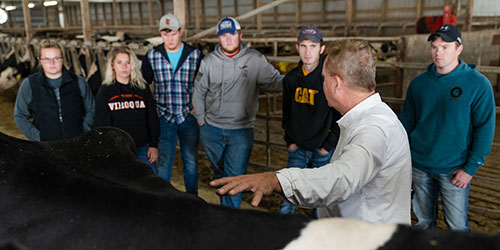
(456,92)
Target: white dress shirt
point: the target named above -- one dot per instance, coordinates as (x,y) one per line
(369,175)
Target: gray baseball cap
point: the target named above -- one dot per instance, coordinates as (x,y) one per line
(169,21)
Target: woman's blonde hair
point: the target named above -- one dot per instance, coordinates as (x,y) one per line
(136,79)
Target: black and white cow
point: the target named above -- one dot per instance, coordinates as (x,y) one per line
(90,192)
(12,67)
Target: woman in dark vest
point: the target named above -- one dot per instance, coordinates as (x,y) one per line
(125,101)
(53,103)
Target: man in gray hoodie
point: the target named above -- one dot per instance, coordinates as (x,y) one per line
(225,101)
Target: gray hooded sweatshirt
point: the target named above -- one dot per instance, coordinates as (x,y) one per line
(226,89)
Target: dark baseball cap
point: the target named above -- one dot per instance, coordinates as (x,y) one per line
(448,33)
(310,33)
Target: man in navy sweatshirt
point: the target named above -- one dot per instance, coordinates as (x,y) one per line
(449,115)
(311,130)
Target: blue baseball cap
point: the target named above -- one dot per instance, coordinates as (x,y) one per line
(310,33)
(227,25)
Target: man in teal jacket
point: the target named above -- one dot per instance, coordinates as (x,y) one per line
(449,114)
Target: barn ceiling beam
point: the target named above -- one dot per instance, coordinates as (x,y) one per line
(247,15)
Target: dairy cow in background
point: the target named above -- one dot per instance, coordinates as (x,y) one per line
(14,68)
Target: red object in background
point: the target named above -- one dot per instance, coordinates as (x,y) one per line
(429,24)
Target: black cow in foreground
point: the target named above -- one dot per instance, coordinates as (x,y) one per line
(90,192)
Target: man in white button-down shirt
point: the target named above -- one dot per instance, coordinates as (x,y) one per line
(369,175)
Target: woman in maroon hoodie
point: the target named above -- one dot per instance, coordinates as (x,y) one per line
(124,101)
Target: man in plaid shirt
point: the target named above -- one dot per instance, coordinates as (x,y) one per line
(172,66)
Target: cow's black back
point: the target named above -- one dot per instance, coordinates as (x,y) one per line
(90,192)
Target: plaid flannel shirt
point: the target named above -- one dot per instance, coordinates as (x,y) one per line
(174,89)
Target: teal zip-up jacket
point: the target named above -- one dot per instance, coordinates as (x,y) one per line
(450,119)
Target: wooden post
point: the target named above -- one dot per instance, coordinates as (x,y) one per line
(11,22)
(86,25)
(72,12)
(219,10)
(469,15)
(348,17)
(68,10)
(254,21)
(420,7)
(188,14)
(275,48)
(45,16)
(298,11)
(140,13)
(162,7)
(268,130)
(323,11)
(62,13)
(180,13)
(104,17)
(204,14)
(130,14)
(197,16)
(275,17)
(96,14)
(113,11)
(400,57)
(150,7)
(384,10)
(259,17)
(122,21)
(236,8)
(27,21)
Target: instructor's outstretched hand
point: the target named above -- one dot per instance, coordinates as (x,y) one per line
(260,184)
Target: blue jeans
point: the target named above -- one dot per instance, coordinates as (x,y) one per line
(302,158)
(228,151)
(425,201)
(142,155)
(187,133)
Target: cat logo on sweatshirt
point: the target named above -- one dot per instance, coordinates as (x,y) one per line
(305,95)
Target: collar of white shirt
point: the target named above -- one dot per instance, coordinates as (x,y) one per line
(353,114)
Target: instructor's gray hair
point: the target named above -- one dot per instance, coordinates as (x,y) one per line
(352,60)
